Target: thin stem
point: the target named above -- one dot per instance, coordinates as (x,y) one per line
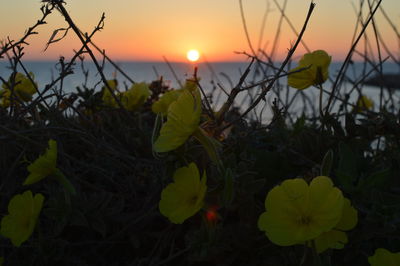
(245,28)
(85,44)
(348,58)
(290,54)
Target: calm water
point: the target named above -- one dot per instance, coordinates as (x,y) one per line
(225,74)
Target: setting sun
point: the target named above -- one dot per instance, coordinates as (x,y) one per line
(193,55)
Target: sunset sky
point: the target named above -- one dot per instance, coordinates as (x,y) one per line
(147,30)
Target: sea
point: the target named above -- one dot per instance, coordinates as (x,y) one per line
(217,79)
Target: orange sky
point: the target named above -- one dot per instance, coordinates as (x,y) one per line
(147,30)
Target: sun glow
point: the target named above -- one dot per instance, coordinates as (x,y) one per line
(193,55)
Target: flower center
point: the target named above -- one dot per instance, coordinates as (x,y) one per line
(193,200)
(304,220)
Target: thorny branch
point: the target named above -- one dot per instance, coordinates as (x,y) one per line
(85,40)
(46,11)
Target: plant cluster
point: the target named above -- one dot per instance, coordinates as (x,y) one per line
(154,175)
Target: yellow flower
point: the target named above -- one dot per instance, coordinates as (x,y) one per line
(107,97)
(161,106)
(23,211)
(185,197)
(5,96)
(190,85)
(23,89)
(312,70)
(383,257)
(364,103)
(135,97)
(182,121)
(336,238)
(298,212)
(43,166)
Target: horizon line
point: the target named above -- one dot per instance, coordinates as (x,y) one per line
(173,62)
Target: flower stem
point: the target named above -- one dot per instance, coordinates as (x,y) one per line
(305,251)
(321,113)
(316,258)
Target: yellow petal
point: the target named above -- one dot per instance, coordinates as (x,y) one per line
(331,239)
(301,79)
(190,85)
(326,203)
(23,89)
(136,96)
(5,97)
(185,197)
(161,106)
(43,166)
(349,217)
(291,196)
(315,71)
(383,257)
(107,97)
(364,103)
(170,201)
(187,177)
(23,210)
(286,205)
(183,119)
(170,138)
(297,212)
(278,229)
(319,58)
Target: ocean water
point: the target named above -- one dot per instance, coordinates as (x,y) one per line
(216,79)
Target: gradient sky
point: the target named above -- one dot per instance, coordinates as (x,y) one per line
(146,30)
